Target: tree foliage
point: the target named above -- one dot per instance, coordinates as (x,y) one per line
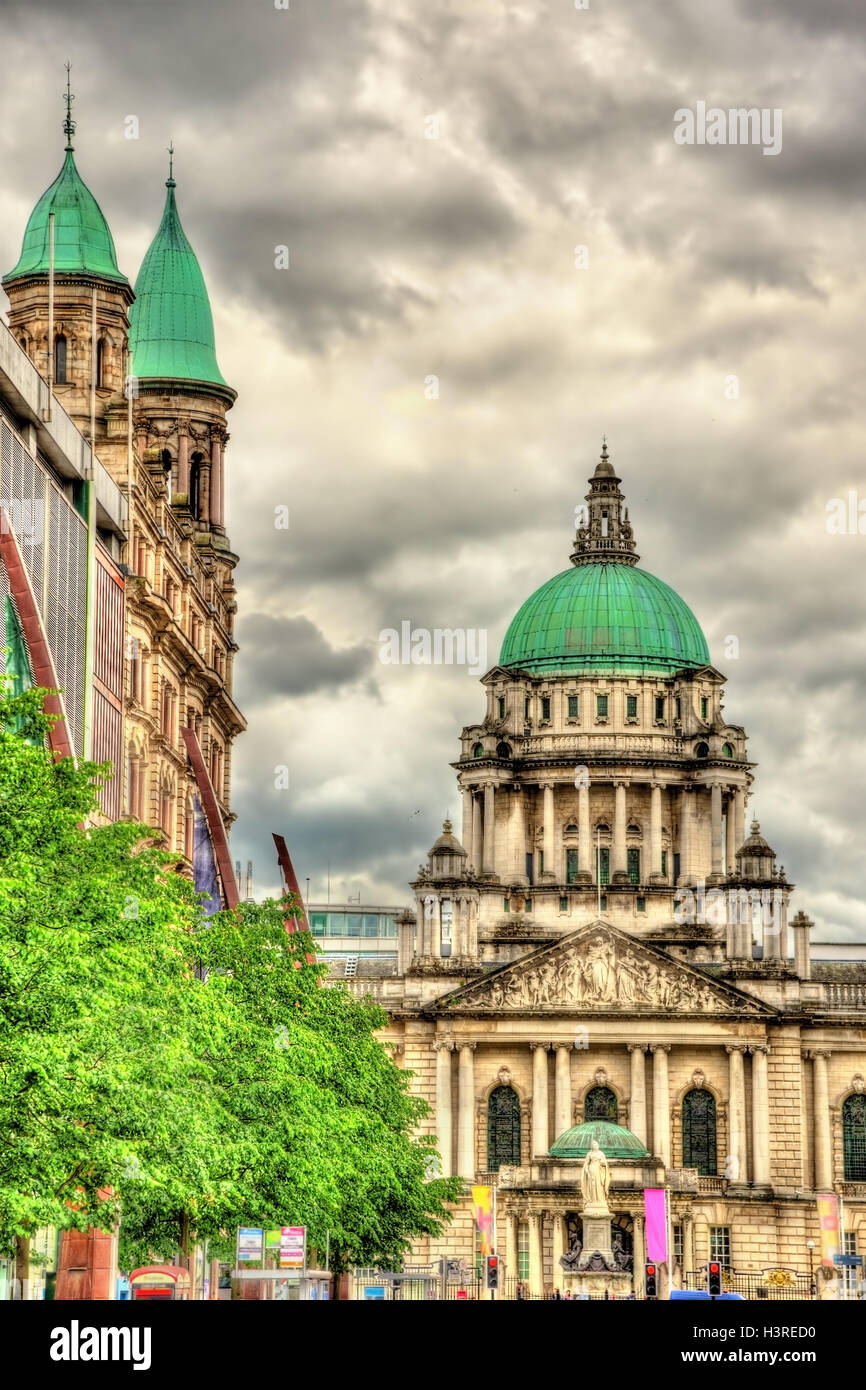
(191,1072)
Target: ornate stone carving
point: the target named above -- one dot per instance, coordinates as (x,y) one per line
(698,1078)
(858,1083)
(504,1076)
(600,1076)
(604,969)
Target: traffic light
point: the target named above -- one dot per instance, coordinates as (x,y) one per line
(493,1271)
(651,1282)
(714,1279)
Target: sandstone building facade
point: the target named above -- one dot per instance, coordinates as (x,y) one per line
(608,944)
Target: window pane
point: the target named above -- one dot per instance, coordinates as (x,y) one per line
(353,924)
(545,708)
(371,925)
(854,1138)
(571,866)
(317,923)
(336,924)
(572,706)
(634,866)
(601,706)
(604,857)
(660,707)
(664,862)
(387,926)
(631,706)
(699,1134)
(503,1128)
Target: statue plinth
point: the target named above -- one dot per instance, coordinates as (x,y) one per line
(596,1241)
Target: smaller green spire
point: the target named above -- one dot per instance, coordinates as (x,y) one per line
(171,324)
(69,124)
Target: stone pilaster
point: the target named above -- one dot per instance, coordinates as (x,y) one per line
(466,1109)
(444,1048)
(736,1166)
(716,864)
(821,1113)
(620,855)
(540,1136)
(489,848)
(562,1089)
(550,874)
(637,1100)
(655,864)
(661,1103)
(760,1117)
(536,1255)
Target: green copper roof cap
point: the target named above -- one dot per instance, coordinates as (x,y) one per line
(604,617)
(613,1140)
(171,325)
(82,241)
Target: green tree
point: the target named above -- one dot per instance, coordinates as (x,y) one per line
(103,1026)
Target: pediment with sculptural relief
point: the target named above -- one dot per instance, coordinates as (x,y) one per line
(601,969)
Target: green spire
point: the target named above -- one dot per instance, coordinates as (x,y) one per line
(82,241)
(171,325)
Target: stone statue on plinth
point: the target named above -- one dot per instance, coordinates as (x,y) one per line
(595,1182)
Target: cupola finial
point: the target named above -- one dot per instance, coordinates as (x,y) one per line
(170,183)
(68,124)
(604,533)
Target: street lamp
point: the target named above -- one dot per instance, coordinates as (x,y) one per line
(810,1246)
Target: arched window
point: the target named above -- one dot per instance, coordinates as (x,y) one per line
(699,1132)
(166,809)
(100,362)
(601,1104)
(854,1138)
(503,750)
(60,359)
(189,829)
(195,483)
(702,750)
(727,750)
(503,1128)
(478,750)
(571,830)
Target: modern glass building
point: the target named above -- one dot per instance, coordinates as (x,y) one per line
(354,929)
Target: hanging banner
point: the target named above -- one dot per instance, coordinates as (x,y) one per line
(655,1205)
(828,1224)
(482,1207)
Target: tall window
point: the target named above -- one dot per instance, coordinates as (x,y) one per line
(664,863)
(601,706)
(727,750)
(850,1273)
(500,703)
(189,830)
(854,1138)
(195,483)
(503,1128)
(523,1250)
(573,706)
(571,866)
(601,1104)
(660,707)
(720,1245)
(545,706)
(526,707)
(678,704)
(604,865)
(60,359)
(678,1244)
(100,362)
(634,866)
(699,1133)
(631,707)
(705,704)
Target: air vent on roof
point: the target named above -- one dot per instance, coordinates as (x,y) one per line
(351,967)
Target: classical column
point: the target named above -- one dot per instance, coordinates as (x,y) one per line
(444,1047)
(620,855)
(466,1110)
(731,845)
(688,1245)
(686,836)
(511,1270)
(475,851)
(433,926)
(216,479)
(639,1256)
(661,1103)
(655,864)
(637,1100)
(466,827)
(736,1167)
(536,1265)
(489,851)
(821,1112)
(517,865)
(204,514)
(562,1090)
(549,842)
(716,871)
(183,460)
(760,1117)
(584,844)
(739,819)
(540,1140)
(558,1250)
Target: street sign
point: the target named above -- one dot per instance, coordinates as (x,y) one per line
(293,1247)
(850,1261)
(250,1243)
(374,1292)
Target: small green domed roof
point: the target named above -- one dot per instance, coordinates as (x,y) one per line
(82,241)
(613,1140)
(604,617)
(171,325)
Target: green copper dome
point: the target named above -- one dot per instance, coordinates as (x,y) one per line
(171,325)
(604,617)
(82,241)
(613,1140)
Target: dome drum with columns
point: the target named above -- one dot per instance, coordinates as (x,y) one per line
(606,952)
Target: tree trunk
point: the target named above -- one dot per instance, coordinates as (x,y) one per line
(22,1265)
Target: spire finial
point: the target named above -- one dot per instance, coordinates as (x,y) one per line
(169,183)
(604,446)
(68,124)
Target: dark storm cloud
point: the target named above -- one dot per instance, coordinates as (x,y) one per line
(453,256)
(283,657)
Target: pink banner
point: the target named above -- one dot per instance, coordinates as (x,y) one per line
(656,1211)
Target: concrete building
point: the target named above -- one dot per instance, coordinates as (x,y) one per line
(606,951)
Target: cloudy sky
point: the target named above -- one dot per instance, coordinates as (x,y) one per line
(432,169)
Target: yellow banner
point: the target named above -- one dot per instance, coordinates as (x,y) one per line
(828,1224)
(482,1206)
